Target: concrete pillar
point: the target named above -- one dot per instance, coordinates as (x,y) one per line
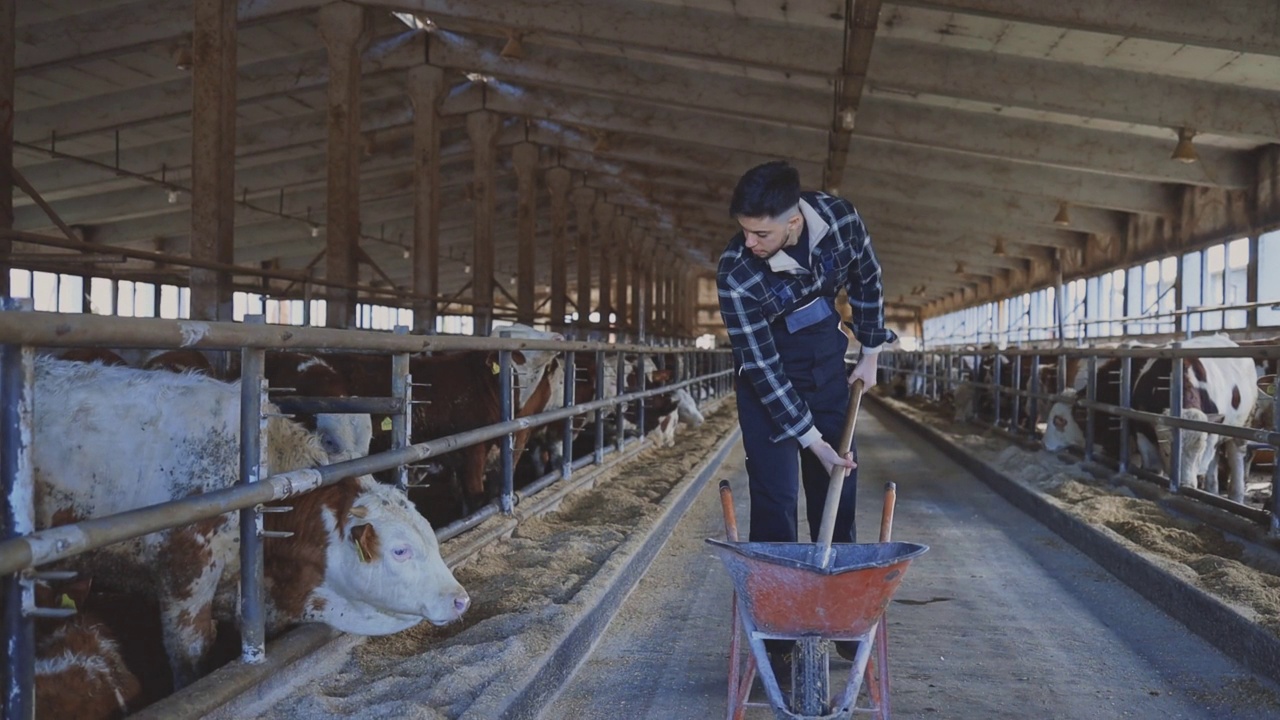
(426,90)
(584,199)
(650,314)
(482,130)
(213,155)
(622,254)
(345,29)
(8,58)
(638,255)
(525,158)
(558,188)
(604,238)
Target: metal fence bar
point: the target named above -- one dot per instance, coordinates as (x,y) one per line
(253,428)
(1275,461)
(300,405)
(506,444)
(1126,401)
(1091,393)
(570,383)
(78,330)
(17,484)
(401,417)
(621,408)
(600,394)
(1175,410)
(65,541)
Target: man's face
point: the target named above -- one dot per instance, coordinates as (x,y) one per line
(765,236)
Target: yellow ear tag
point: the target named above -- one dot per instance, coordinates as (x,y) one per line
(65,602)
(495,367)
(386,424)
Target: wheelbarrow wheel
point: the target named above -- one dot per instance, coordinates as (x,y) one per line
(810,677)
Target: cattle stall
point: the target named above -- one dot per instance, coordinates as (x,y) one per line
(945,372)
(29,548)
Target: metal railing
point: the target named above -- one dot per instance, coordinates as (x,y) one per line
(23,548)
(941,371)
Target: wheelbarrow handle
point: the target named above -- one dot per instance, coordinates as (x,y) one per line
(886,517)
(730,516)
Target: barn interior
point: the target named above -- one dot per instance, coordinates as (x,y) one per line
(1032,174)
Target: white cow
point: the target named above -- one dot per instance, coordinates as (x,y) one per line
(111,439)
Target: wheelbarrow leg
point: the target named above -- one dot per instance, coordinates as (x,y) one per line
(878,668)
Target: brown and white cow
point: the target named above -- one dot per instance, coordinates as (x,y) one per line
(108,439)
(1214,389)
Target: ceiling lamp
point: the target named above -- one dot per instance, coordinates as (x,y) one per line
(183,58)
(999,249)
(1063,218)
(1184,151)
(513,50)
(960,268)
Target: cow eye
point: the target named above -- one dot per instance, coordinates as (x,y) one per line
(402,552)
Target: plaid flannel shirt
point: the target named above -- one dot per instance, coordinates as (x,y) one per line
(749,302)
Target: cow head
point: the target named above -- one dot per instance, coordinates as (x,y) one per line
(1198,448)
(384,572)
(529,365)
(1061,428)
(344,436)
(687,408)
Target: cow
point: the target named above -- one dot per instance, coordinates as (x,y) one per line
(80,671)
(452,393)
(344,435)
(179,361)
(102,356)
(106,440)
(1214,389)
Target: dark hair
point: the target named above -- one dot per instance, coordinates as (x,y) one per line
(766,190)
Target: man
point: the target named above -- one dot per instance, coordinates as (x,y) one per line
(777,282)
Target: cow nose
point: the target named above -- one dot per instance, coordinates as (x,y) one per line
(461,603)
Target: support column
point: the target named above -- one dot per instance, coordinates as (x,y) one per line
(604,238)
(426,90)
(639,239)
(525,158)
(482,130)
(558,188)
(8,58)
(650,306)
(345,30)
(213,156)
(622,249)
(584,198)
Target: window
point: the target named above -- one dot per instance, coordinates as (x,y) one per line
(70,293)
(1215,262)
(124,298)
(101,297)
(144,300)
(1269,278)
(170,302)
(1133,304)
(1236,282)
(1193,288)
(44,291)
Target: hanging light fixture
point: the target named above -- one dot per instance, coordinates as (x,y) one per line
(999,248)
(513,50)
(960,268)
(183,58)
(1063,218)
(1184,151)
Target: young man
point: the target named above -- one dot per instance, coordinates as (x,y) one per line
(777,283)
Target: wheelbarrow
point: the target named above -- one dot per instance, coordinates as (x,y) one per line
(813,594)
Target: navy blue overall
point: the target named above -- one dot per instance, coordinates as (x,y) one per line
(812,348)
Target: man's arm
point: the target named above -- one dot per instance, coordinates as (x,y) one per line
(866,298)
(761,365)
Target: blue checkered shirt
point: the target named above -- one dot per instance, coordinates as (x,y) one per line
(752,295)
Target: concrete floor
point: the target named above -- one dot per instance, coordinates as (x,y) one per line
(1001,619)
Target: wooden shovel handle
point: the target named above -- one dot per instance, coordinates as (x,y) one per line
(836,484)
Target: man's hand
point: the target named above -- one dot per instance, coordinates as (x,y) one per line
(830,459)
(866,370)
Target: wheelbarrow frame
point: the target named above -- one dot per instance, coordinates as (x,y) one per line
(781,567)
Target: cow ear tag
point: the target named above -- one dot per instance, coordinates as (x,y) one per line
(494,366)
(65,602)
(386,424)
